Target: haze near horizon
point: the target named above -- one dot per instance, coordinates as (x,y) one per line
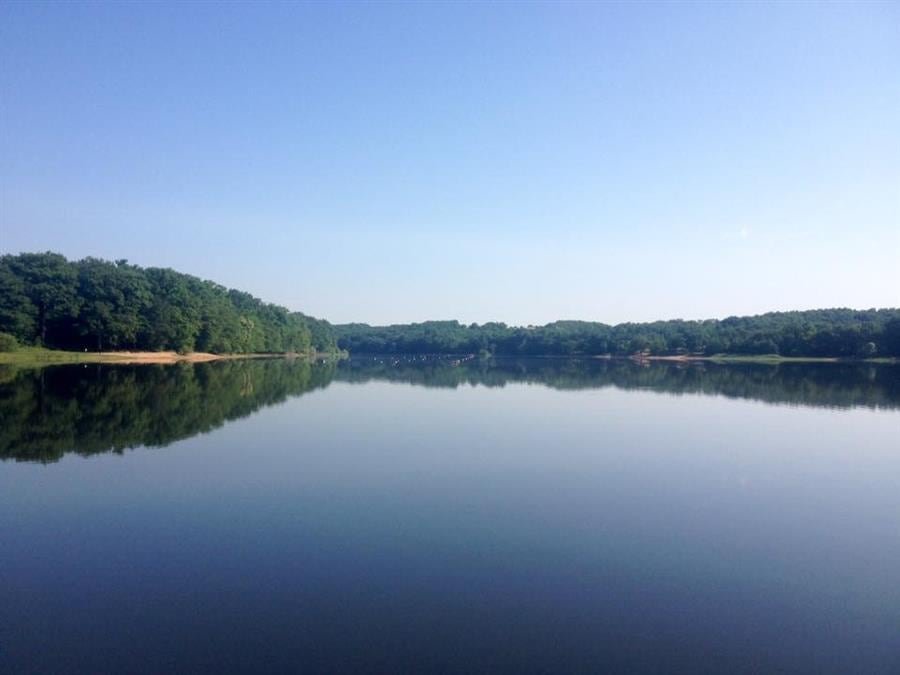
(389,163)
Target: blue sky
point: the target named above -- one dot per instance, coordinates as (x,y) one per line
(486,161)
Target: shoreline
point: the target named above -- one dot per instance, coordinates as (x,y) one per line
(762,358)
(676,358)
(35,356)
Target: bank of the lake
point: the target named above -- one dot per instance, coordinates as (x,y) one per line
(766,358)
(38,356)
(773,359)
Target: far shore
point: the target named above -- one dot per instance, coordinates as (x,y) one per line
(640,358)
(741,358)
(763,358)
(716,358)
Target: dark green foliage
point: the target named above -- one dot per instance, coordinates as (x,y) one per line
(8,343)
(96,304)
(17,313)
(321,333)
(843,333)
(173,317)
(115,298)
(891,342)
(45,294)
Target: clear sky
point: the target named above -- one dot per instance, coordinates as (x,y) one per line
(481,161)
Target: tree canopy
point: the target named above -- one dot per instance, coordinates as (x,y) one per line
(48,300)
(843,333)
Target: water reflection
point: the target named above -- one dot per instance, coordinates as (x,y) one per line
(832,385)
(89,409)
(49,412)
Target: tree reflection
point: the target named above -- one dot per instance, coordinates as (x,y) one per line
(832,385)
(49,412)
(102,408)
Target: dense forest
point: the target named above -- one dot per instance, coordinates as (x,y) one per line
(95,304)
(844,333)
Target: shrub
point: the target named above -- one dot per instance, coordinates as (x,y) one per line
(8,343)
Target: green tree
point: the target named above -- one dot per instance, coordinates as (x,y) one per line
(49,282)
(892,337)
(173,316)
(8,343)
(115,299)
(18,315)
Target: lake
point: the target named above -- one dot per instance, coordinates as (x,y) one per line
(450,515)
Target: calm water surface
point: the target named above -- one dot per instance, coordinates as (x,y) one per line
(435,515)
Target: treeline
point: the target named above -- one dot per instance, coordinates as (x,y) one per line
(843,333)
(95,304)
